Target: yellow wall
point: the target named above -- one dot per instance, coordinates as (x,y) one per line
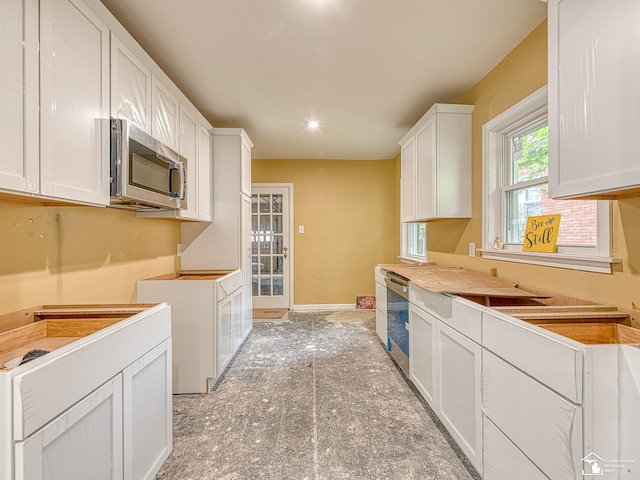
(349,212)
(79,254)
(519,74)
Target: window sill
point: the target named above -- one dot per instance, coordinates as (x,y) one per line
(573,262)
(417,260)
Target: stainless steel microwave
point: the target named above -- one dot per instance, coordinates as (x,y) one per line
(145,174)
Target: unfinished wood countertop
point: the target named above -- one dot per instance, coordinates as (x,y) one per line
(457,281)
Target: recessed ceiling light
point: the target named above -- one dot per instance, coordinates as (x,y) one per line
(312,124)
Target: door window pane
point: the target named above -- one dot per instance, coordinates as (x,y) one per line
(265,244)
(265,286)
(265,267)
(265,224)
(277,286)
(277,203)
(254,286)
(277,224)
(265,206)
(254,204)
(277,244)
(254,265)
(278,264)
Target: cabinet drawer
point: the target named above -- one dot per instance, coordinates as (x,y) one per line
(378,274)
(228,284)
(553,362)
(381,297)
(73,371)
(437,304)
(546,427)
(501,458)
(466,318)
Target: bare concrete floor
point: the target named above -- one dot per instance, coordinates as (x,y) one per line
(310,397)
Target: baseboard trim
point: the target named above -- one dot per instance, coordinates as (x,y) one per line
(323,307)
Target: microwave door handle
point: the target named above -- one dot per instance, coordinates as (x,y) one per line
(180,168)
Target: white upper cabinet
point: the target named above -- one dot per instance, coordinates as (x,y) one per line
(408,181)
(205,178)
(55,102)
(436,165)
(189,149)
(594,73)
(130,86)
(19,161)
(74,103)
(165,114)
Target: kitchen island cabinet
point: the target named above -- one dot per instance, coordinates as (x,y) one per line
(594,71)
(112,419)
(205,321)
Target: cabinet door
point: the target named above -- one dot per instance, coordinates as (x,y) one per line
(408,182)
(458,390)
(164,114)
(83,442)
(594,73)
(381,312)
(501,459)
(130,86)
(224,340)
(543,425)
(19,99)
(422,345)
(189,150)
(245,167)
(237,327)
(74,89)
(205,178)
(147,413)
(245,231)
(425,172)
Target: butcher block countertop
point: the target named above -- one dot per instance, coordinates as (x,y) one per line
(457,281)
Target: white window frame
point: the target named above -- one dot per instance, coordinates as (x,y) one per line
(494,151)
(404,241)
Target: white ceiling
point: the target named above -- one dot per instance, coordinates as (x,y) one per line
(366,70)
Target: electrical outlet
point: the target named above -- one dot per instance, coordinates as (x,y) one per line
(300,228)
(472,249)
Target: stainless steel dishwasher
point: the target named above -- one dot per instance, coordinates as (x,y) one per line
(398,319)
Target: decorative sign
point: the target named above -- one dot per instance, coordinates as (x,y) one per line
(541,234)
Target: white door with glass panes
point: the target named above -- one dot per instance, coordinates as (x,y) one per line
(270,246)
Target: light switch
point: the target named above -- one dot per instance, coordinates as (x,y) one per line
(472,249)
(300,228)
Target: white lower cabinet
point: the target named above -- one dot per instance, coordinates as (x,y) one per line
(83,442)
(546,427)
(98,408)
(422,345)
(238,319)
(202,321)
(501,459)
(381,306)
(224,317)
(459,390)
(147,415)
(446,368)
